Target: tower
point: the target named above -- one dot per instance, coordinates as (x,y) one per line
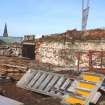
(5,34)
(85,13)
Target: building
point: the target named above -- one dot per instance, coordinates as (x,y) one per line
(28,46)
(5,34)
(10,46)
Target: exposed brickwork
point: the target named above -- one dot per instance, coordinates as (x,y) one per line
(60,49)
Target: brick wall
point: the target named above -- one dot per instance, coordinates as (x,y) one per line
(62,53)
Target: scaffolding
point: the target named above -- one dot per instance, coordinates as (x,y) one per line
(95,61)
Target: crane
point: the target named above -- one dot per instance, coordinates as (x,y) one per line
(85,13)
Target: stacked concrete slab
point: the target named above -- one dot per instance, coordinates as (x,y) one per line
(47,83)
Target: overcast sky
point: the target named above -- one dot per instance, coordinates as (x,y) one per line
(47,16)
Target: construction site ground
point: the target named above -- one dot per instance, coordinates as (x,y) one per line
(16,67)
(27,97)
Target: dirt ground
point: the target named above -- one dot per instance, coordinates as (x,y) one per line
(27,97)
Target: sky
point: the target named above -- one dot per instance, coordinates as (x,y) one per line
(40,17)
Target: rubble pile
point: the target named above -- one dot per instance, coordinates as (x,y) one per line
(13,50)
(94,34)
(13,67)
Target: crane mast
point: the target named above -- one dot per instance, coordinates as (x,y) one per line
(85,13)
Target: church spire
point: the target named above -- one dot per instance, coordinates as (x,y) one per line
(5,34)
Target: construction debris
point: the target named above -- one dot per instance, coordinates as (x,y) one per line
(103,86)
(5,79)
(13,67)
(84,90)
(47,83)
(13,50)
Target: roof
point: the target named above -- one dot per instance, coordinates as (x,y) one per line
(9,40)
(2,42)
